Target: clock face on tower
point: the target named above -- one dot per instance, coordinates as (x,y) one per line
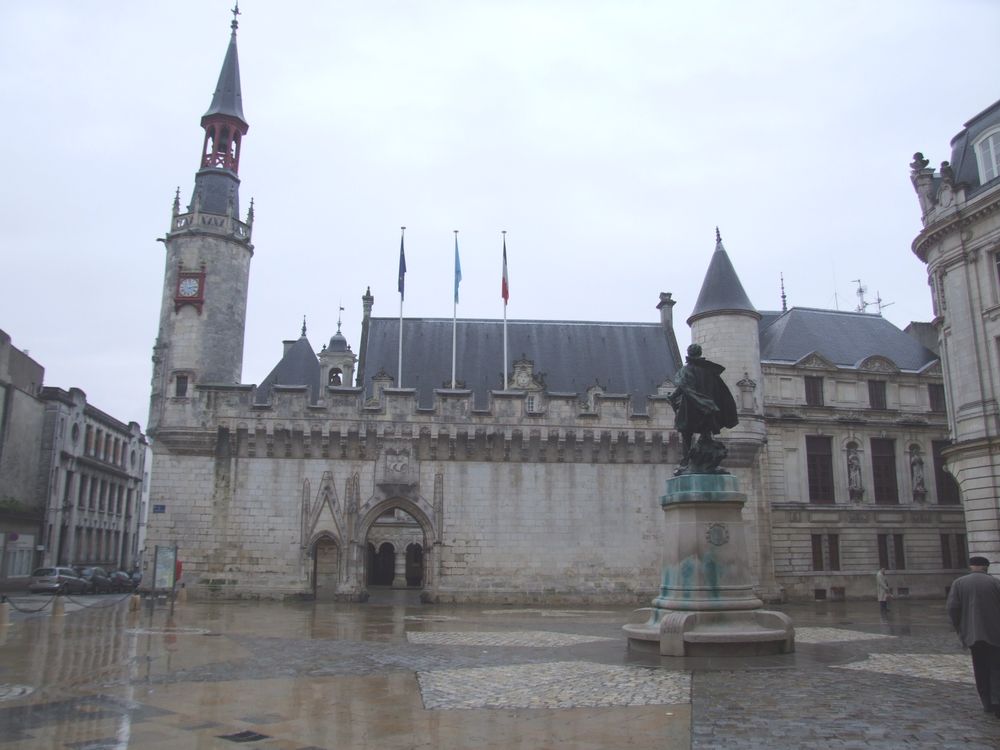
(189,287)
(190,290)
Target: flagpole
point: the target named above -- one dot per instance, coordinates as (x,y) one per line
(454,312)
(402,274)
(504,290)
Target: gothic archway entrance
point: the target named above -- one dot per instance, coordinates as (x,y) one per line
(395,544)
(326,568)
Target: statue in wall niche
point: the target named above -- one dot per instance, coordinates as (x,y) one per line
(917,472)
(702,404)
(854,485)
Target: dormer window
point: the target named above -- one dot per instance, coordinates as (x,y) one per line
(988,156)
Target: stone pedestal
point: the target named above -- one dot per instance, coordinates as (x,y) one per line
(706,604)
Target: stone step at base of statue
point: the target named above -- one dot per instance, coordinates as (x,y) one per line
(726,633)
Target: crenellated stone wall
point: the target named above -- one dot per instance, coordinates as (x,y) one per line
(512,505)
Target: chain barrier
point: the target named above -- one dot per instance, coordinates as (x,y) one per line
(103,604)
(24,610)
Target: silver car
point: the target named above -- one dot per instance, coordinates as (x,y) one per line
(54,580)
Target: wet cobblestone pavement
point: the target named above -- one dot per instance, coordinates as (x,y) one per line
(394,674)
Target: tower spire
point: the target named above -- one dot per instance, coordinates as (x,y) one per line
(217,182)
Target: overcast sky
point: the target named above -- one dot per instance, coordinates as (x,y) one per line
(609,139)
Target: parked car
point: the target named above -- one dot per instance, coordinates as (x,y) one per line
(121,581)
(97,580)
(57,580)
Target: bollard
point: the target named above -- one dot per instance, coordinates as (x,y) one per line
(134,603)
(58,607)
(182,595)
(4,612)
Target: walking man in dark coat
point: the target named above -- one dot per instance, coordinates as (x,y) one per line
(974,609)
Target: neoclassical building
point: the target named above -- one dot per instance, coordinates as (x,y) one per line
(532,479)
(71,476)
(960,243)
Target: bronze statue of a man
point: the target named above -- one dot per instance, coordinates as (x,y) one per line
(702,403)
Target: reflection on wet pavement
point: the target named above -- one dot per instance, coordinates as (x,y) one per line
(397,674)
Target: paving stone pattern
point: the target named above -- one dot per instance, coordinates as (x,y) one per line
(535,639)
(574,684)
(834,635)
(855,681)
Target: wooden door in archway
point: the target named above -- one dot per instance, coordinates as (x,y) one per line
(326,555)
(414,565)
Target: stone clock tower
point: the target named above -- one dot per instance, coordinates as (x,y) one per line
(208,251)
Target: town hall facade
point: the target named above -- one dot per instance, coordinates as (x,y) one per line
(328,480)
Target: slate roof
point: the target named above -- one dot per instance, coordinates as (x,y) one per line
(298,366)
(721,291)
(843,338)
(228,97)
(963,154)
(624,358)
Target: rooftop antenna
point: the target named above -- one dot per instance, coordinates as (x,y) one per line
(861,291)
(879,303)
(836,299)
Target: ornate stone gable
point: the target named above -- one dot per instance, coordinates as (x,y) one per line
(325,514)
(814,361)
(877,363)
(524,377)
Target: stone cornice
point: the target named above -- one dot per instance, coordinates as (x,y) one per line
(971,212)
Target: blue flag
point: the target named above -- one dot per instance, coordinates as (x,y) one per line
(458,269)
(402,267)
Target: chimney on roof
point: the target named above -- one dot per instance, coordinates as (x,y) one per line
(287,344)
(666,308)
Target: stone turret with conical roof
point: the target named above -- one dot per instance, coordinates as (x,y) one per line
(724,322)
(208,252)
(721,291)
